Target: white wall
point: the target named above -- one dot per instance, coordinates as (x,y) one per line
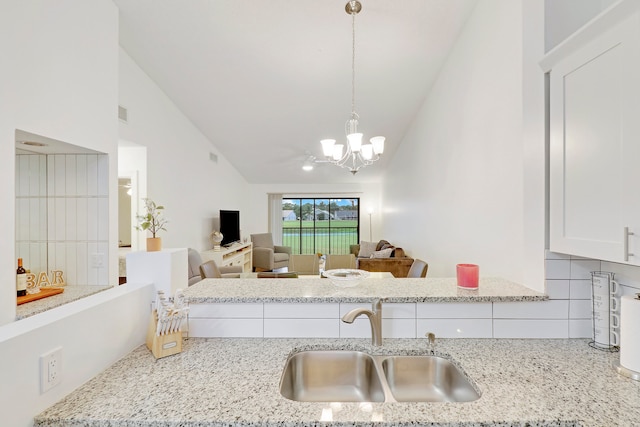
(180,174)
(454,191)
(62,84)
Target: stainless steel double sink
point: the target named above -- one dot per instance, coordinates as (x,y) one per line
(356,376)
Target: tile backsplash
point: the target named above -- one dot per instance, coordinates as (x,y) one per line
(62,215)
(568,278)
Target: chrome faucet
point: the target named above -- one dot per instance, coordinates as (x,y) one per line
(375,318)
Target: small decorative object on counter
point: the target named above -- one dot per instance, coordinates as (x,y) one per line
(33,286)
(21,279)
(154,222)
(605,313)
(468,275)
(164,336)
(216,238)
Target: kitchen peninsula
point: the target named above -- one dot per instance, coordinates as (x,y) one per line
(312,307)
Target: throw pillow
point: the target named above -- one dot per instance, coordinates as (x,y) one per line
(381,243)
(366,249)
(384,253)
(387,246)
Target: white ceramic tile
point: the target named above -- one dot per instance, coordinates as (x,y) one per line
(580,289)
(628,275)
(558,269)
(455,328)
(227,328)
(71,268)
(51,219)
(92,175)
(22,176)
(628,290)
(552,309)
(227,310)
(92,219)
(301,311)
(34,176)
(60,219)
(59,175)
(399,328)
(37,257)
(82,263)
(70,175)
(42,220)
(580,309)
(103,175)
(389,310)
(35,219)
(301,328)
(581,269)
(51,167)
(71,219)
(22,219)
(81,175)
(81,219)
(454,310)
(360,328)
(103,272)
(92,273)
(580,328)
(103,218)
(555,255)
(557,289)
(520,328)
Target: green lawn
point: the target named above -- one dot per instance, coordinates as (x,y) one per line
(318,237)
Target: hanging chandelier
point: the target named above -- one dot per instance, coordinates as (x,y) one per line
(355,154)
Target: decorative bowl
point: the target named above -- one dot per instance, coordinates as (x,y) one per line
(346,277)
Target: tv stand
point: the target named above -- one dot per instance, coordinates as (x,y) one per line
(236,253)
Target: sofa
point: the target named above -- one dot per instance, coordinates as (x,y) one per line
(381,256)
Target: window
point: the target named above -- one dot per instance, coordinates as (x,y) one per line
(323,225)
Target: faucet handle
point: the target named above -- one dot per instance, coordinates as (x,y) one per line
(431,338)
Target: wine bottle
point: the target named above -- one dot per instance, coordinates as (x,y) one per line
(21,279)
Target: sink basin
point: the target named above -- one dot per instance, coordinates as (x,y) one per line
(331,376)
(355,376)
(427,379)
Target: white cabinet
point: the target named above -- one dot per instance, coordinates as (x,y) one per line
(594,118)
(237,254)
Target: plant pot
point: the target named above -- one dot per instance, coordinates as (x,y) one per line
(154,244)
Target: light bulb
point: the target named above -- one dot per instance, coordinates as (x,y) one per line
(327,147)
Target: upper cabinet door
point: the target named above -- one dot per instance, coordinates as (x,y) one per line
(594,101)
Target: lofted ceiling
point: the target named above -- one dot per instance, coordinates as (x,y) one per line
(266,80)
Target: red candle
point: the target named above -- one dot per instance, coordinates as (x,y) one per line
(468,275)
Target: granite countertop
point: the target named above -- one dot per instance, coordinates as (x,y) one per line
(235,382)
(388,289)
(71,293)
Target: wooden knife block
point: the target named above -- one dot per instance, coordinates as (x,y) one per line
(162,345)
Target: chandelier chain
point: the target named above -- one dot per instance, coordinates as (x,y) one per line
(353,64)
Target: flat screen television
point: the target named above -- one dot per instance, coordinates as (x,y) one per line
(229,227)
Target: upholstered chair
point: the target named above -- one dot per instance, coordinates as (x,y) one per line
(418,269)
(210,270)
(266,255)
(193,260)
(340,261)
(305,264)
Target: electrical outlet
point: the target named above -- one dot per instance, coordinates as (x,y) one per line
(50,369)
(97,260)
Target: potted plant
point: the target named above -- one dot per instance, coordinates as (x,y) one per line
(152,221)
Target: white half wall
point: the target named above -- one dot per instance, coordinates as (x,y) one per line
(454,189)
(94,332)
(181,174)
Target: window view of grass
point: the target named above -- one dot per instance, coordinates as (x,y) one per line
(324,226)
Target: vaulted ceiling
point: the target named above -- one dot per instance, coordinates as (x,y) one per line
(266,80)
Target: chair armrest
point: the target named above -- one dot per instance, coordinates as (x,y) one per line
(354,249)
(263,258)
(230,269)
(282,249)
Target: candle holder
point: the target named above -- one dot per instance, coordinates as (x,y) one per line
(468,276)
